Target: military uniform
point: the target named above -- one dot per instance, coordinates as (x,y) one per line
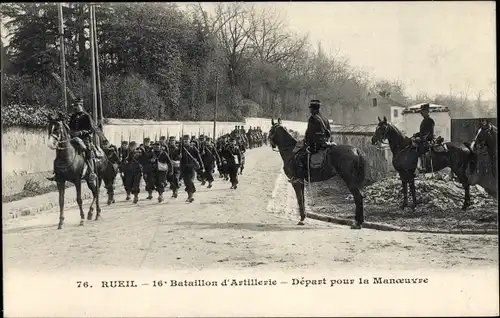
(190,162)
(231,160)
(134,170)
(316,137)
(210,157)
(175,156)
(147,166)
(424,136)
(162,164)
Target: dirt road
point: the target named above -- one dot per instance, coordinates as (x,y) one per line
(230,229)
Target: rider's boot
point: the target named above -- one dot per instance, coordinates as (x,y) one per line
(53,178)
(92,175)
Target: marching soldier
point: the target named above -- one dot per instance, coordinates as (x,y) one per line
(175,156)
(134,170)
(190,163)
(162,165)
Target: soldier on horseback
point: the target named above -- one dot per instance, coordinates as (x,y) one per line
(425,136)
(82,126)
(317,135)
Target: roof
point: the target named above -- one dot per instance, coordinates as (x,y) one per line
(354,129)
(390,100)
(433,108)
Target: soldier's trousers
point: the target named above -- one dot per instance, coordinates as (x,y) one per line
(232,169)
(158,179)
(132,181)
(188,175)
(174,180)
(208,176)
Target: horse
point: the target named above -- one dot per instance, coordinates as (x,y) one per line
(69,165)
(484,146)
(455,155)
(344,160)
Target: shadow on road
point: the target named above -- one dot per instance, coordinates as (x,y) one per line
(259,227)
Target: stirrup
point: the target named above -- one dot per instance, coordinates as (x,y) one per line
(295,180)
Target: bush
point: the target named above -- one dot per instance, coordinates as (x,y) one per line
(25,116)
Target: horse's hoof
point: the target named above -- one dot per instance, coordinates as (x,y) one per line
(300,223)
(127,198)
(403,206)
(89,217)
(356,227)
(97,217)
(81,223)
(59,227)
(109,202)
(113,201)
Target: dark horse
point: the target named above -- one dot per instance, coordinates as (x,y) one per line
(346,161)
(69,165)
(455,155)
(485,147)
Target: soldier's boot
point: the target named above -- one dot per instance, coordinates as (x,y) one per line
(89,159)
(298,176)
(209,184)
(160,197)
(150,195)
(190,197)
(136,198)
(53,178)
(128,196)
(174,193)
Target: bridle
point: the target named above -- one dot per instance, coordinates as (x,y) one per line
(272,133)
(381,141)
(57,138)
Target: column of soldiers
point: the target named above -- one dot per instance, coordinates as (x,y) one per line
(181,162)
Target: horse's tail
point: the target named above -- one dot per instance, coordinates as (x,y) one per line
(360,169)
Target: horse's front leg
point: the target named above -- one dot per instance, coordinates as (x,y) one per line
(413,194)
(79,201)
(61,187)
(93,188)
(467,202)
(404,184)
(97,205)
(299,194)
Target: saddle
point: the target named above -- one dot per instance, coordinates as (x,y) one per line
(439,146)
(80,146)
(318,159)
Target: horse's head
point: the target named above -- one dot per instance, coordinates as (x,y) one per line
(58,131)
(272,132)
(381,132)
(485,135)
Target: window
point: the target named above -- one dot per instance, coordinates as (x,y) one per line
(374,102)
(395,113)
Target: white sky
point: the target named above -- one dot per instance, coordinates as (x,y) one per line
(432,47)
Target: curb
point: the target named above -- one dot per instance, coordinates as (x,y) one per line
(387,227)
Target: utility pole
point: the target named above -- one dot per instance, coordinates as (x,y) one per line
(98,75)
(63,57)
(92,57)
(216,102)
